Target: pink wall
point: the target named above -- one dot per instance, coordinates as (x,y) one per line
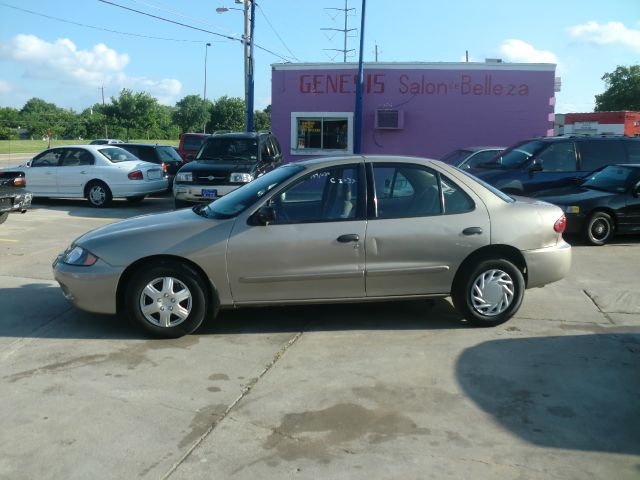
(445,106)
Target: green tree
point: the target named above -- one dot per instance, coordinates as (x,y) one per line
(262,119)
(623,90)
(191,113)
(133,110)
(38,116)
(227,114)
(9,123)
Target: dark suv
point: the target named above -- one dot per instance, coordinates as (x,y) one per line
(550,162)
(225,162)
(164,155)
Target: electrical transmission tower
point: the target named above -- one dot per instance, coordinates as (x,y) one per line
(344,30)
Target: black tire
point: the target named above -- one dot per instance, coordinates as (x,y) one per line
(98,194)
(183,277)
(3,217)
(137,199)
(463,290)
(598,229)
(181,204)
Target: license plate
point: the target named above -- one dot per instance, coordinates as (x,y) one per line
(208,193)
(155,174)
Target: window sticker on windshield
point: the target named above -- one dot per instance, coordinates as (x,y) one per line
(319,175)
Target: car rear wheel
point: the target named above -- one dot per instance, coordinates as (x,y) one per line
(599,229)
(167,300)
(488,292)
(98,194)
(137,199)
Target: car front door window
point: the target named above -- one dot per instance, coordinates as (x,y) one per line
(558,157)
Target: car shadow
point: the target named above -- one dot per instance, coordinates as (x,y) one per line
(577,392)
(618,240)
(53,317)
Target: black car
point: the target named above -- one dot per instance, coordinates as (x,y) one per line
(225,162)
(164,155)
(13,195)
(604,203)
(551,162)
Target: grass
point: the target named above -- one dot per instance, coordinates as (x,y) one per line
(35,146)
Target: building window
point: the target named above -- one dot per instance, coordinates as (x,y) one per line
(315,133)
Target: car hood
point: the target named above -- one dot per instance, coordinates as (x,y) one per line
(180,233)
(221,166)
(571,195)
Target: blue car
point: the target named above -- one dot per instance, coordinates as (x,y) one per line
(551,162)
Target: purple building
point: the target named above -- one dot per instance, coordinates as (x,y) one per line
(423,109)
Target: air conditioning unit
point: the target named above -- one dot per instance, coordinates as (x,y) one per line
(389,119)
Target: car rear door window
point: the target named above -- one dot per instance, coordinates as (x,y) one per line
(76,157)
(633,151)
(406,191)
(456,200)
(558,157)
(598,153)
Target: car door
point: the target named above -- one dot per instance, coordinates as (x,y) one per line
(41,174)
(74,171)
(314,249)
(555,166)
(422,227)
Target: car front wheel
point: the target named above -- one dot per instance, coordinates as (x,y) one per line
(167,300)
(598,229)
(98,194)
(489,292)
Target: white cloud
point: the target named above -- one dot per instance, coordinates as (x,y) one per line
(606,34)
(514,50)
(5,87)
(61,61)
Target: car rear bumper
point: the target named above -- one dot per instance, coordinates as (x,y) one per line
(194,193)
(92,289)
(143,187)
(547,265)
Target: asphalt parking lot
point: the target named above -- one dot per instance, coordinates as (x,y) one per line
(389,390)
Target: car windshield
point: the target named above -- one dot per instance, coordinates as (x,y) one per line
(614,178)
(193,142)
(233,149)
(117,155)
(498,193)
(242,198)
(455,157)
(169,154)
(515,157)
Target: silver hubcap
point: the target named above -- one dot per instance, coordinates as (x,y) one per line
(492,292)
(97,195)
(600,229)
(165,302)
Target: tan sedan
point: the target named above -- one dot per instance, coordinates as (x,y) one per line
(346,229)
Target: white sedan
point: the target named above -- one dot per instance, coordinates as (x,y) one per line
(95,172)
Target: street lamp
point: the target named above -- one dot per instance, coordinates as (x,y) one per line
(204,96)
(249,22)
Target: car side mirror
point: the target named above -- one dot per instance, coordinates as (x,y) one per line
(636,190)
(264,216)
(535,166)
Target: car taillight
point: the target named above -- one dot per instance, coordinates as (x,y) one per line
(560,224)
(164,167)
(19,181)
(135,175)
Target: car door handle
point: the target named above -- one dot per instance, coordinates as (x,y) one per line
(472,231)
(349,237)
(83,172)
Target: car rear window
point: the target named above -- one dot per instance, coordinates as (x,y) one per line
(117,155)
(169,154)
(192,143)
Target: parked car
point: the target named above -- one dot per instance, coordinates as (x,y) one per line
(163,155)
(190,143)
(95,172)
(550,162)
(105,141)
(605,203)
(322,231)
(13,195)
(225,162)
(471,157)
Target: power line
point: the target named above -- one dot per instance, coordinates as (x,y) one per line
(96,28)
(276,32)
(228,37)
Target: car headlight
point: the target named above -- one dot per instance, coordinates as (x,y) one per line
(184,177)
(79,256)
(572,209)
(240,177)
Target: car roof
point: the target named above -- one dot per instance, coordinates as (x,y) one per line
(140,144)
(94,148)
(238,135)
(580,138)
(366,158)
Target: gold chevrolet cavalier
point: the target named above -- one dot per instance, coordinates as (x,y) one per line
(347,229)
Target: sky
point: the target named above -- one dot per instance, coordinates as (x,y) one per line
(65,51)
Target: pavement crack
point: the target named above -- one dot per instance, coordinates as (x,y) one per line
(245,391)
(593,300)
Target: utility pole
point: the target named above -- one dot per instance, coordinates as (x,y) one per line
(376,52)
(344,30)
(106,129)
(204,96)
(357,127)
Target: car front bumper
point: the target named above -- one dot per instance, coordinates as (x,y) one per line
(194,193)
(92,289)
(17,203)
(547,265)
